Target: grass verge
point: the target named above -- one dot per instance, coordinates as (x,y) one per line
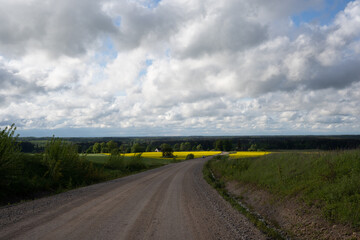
(257,220)
(328,181)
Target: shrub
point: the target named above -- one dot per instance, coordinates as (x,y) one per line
(65,168)
(115,161)
(189,156)
(10,164)
(136,163)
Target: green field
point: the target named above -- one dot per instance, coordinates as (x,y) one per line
(328,180)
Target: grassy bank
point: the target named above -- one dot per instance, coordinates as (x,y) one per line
(219,185)
(327,180)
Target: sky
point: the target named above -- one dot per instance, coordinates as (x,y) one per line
(180,67)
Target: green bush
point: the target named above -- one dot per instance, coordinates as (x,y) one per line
(65,168)
(136,163)
(10,158)
(189,156)
(115,161)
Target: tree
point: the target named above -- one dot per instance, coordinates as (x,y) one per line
(96,148)
(149,148)
(27,147)
(185,146)
(182,146)
(89,150)
(219,145)
(253,147)
(136,148)
(227,145)
(111,145)
(199,147)
(103,147)
(176,147)
(167,150)
(124,148)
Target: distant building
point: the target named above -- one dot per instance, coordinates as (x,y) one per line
(157,149)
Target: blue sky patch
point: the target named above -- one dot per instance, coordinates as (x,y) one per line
(148,62)
(117,21)
(107,53)
(143,71)
(323,15)
(151,3)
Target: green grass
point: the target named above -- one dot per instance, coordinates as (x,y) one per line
(96,158)
(100,160)
(328,180)
(219,185)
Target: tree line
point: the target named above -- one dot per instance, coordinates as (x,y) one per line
(240,143)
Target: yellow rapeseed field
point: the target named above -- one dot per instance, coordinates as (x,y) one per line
(247,154)
(197,154)
(178,155)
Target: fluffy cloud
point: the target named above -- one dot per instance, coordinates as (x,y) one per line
(57,27)
(178,67)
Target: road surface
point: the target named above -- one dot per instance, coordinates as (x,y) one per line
(170,202)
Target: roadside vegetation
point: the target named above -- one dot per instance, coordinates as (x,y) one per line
(26,176)
(327,180)
(60,167)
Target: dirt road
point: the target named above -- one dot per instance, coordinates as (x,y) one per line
(171,202)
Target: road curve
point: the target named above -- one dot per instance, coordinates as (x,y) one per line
(170,202)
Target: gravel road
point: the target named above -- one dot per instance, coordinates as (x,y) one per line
(170,202)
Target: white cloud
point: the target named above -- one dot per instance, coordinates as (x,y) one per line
(182,67)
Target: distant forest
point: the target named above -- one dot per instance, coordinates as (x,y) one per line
(234,143)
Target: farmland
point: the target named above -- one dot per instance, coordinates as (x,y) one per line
(246,154)
(177,155)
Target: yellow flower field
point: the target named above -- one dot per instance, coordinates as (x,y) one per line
(197,154)
(178,155)
(247,154)
(182,155)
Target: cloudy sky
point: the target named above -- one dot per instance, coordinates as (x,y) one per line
(180,67)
